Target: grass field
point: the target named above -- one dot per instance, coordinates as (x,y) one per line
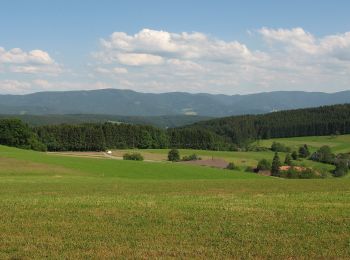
(338,144)
(66,207)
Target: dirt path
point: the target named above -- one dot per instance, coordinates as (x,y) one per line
(216,163)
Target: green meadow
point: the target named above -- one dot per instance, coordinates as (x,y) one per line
(60,207)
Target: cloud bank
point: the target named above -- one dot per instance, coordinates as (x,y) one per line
(161,61)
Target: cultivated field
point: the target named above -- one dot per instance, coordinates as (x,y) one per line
(55,206)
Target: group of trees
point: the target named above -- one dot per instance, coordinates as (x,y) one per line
(174,156)
(98,137)
(341,161)
(13,132)
(219,134)
(323,155)
(240,130)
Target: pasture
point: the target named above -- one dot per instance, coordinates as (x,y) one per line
(55,206)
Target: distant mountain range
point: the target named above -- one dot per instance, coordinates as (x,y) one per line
(131,103)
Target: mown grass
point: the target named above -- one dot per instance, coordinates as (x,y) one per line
(77,208)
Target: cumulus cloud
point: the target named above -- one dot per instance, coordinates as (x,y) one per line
(33,62)
(337,46)
(196,62)
(15,87)
(152,47)
(161,61)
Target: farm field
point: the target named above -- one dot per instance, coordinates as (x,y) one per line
(54,206)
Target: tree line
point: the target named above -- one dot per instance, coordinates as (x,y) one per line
(240,130)
(219,134)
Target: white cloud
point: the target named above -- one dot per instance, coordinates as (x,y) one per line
(196,62)
(160,61)
(139,59)
(14,87)
(33,62)
(152,47)
(296,39)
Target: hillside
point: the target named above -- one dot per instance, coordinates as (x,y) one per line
(120,209)
(130,103)
(158,121)
(326,120)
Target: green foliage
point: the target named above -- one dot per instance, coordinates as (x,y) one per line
(264,165)
(304,151)
(292,173)
(232,166)
(15,133)
(294,155)
(341,168)
(276,164)
(192,157)
(133,157)
(98,137)
(324,155)
(174,155)
(279,147)
(288,159)
(319,121)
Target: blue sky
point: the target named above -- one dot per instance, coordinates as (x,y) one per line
(194,46)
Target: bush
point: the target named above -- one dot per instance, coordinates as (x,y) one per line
(341,168)
(288,160)
(304,151)
(278,147)
(292,174)
(324,155)
(174,155)
(294,155)
(264,165)
(308,174)
(232,166)
(192,157)
(133,157)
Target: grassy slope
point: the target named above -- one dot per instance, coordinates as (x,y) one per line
(64,207)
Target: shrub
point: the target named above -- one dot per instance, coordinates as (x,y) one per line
(264,165)
(292,173)
(294,155)
(288,160)
(324,155)
(133,157)
(308,174)
(304,151)
(278,147)
(341,168)
(232,166)
(192,157)
(174,155)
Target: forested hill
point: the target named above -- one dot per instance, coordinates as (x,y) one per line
(219,134)
(326,120)
(131,103)
(169,121)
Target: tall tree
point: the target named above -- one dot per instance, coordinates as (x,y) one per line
(276,164)
(288,159)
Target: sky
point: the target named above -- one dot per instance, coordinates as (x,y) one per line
(220,47)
